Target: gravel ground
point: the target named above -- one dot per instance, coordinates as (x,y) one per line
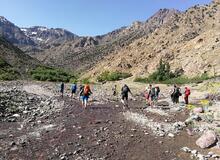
(58,128)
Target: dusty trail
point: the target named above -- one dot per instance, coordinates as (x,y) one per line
(99,132)
(60,129)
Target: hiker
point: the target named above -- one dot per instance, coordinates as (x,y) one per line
(114,89)
(81,89)
(86,92)
(73,89)
(62,89)
(124,95)
(176,93)
(157,88)
(151,95)
(186,95)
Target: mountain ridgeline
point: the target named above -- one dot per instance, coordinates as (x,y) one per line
(188,41)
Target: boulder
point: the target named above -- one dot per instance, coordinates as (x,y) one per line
(207,139)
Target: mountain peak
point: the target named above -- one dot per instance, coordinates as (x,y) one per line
(3,19)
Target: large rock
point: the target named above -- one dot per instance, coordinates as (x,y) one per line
(207,139)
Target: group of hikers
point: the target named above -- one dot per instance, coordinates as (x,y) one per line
(84,92)
(151,94)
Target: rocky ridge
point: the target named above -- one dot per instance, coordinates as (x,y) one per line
(80,55)
(188,41)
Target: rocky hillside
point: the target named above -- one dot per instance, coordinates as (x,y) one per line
(14,58)
(85,52)
(13,33)
(46,37)
(34,39)
(188,41)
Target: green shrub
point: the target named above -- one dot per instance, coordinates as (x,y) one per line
(112,76)
(9,76)
(7,73)
(141,80)
(85,81)
(162,73)
(51,74)
(176,80)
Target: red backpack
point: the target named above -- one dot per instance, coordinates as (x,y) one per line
(86,90)
(188,92)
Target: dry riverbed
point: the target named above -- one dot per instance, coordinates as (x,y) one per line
(36,123)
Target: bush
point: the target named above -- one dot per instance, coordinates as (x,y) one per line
(163,73)
(7,73)
(141,80)
(176,80)
(112,76)
(9,76)
(51,74)
(85,81)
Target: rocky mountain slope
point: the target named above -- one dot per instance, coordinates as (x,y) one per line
(188,41)
(34,39)
(46,37)
(85,52)
(13,33)
(15,59)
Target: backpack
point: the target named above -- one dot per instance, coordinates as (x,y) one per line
(158,89)
(73,87)
(86,90)
(188,92)
(125,89)
(177,92)
(153,91)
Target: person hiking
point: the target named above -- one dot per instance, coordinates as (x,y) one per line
(81,89)
(85,95)
(176,93)
(73,89)
(186,95)
(62,89)
(151,95)
(124,95)
(114,89)
(157,92)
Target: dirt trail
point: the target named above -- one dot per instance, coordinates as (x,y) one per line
(99,132)
(102,131)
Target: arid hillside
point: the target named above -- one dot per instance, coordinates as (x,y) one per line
(188,41)
(85,52)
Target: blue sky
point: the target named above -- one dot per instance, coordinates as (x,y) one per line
(86,17)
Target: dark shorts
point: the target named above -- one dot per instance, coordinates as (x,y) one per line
(62,90)
(124,96)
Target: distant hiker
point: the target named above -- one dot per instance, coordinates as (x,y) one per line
(186,95)
(86,93)
(176,93)
(124,95)
(62,89)
(151,94)
(81,90)
(73,89)
(114,89)
(157,92)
